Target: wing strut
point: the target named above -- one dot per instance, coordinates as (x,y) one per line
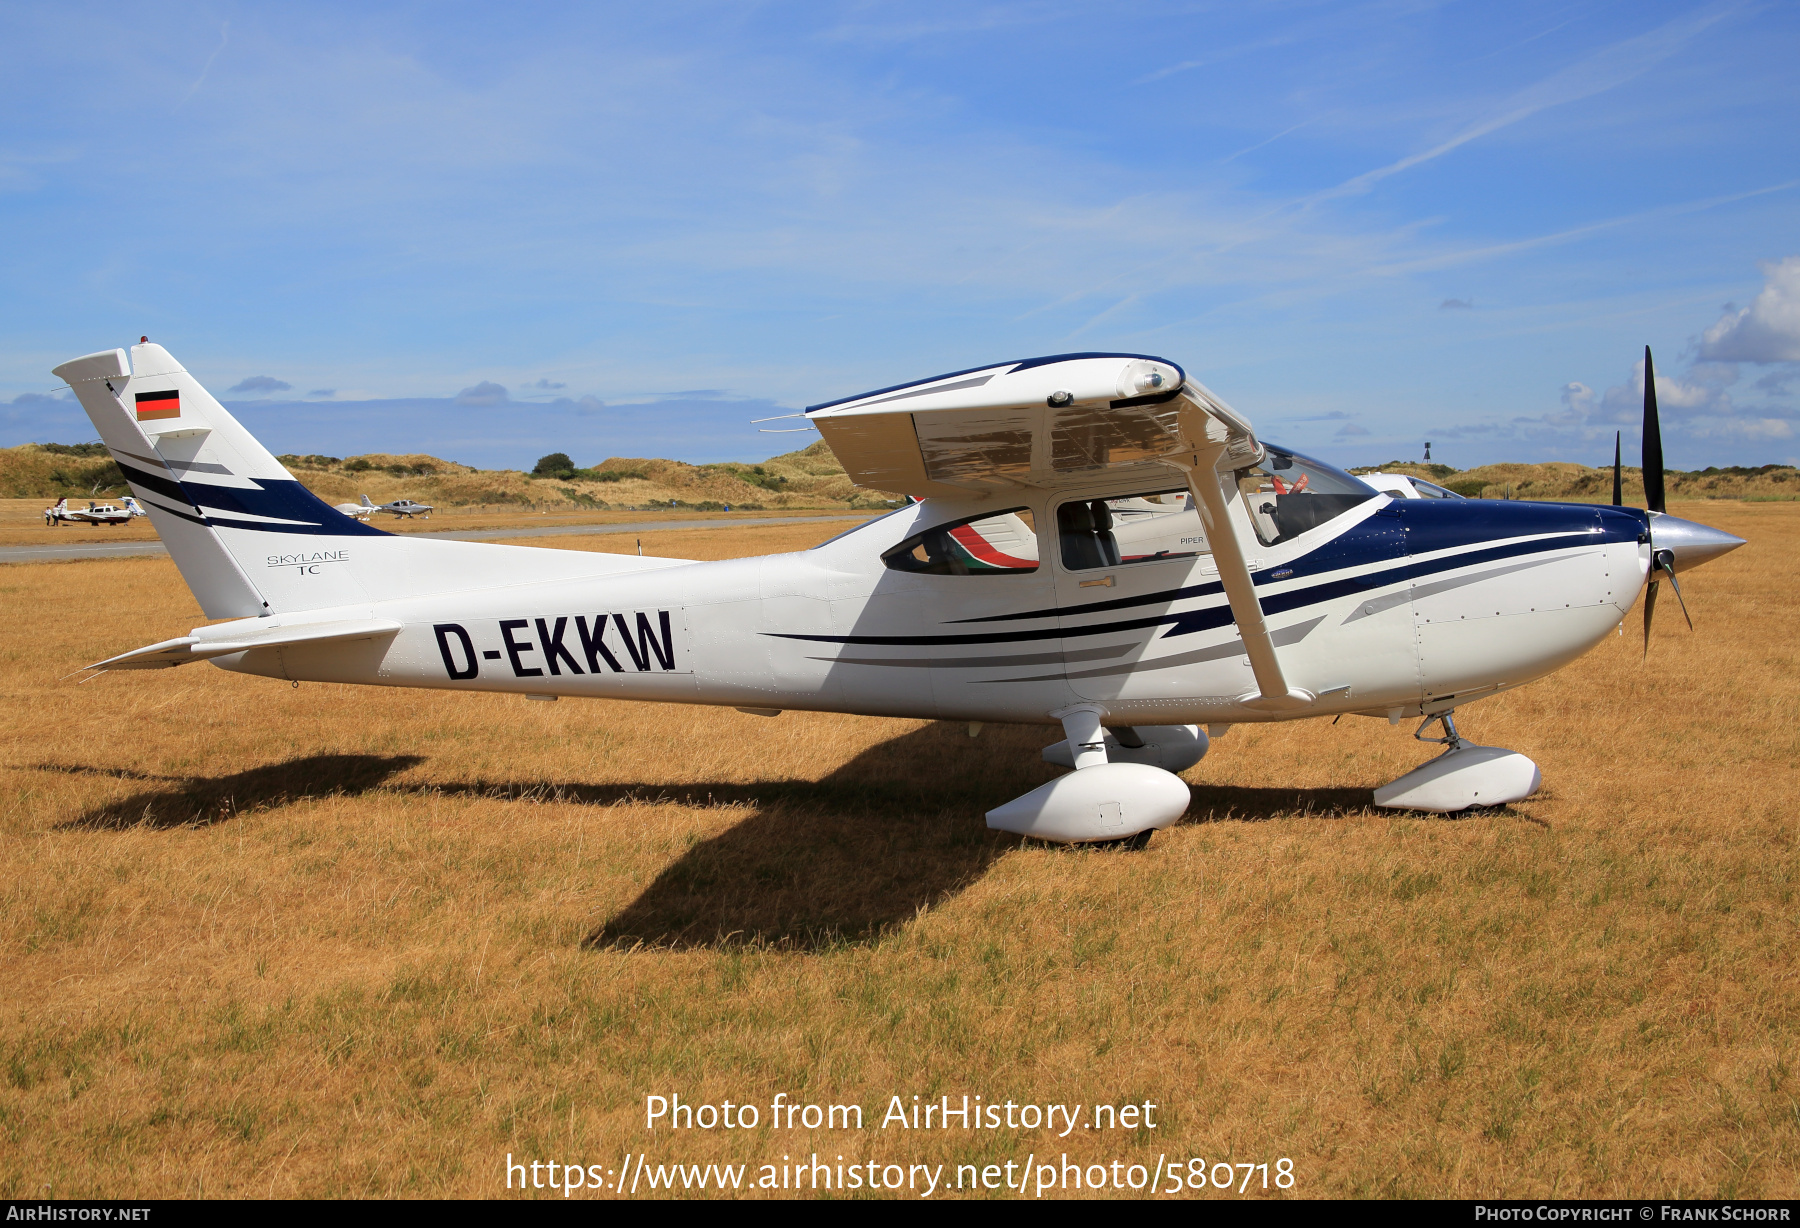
(1223,440)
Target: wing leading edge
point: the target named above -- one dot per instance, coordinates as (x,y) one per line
(1044,422)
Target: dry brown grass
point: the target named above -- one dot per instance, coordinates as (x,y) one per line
(258,940)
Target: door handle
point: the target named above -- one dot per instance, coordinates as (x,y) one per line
(1102,582)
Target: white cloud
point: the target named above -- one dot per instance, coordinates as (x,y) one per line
(260,383)
(1702,391)
(1606,69)
(1740,428)
(1775,383)
(1768,330)
(484,393)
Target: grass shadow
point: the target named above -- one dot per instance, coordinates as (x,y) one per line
(1226,804)
(844,859)
(891,833)
(203,801)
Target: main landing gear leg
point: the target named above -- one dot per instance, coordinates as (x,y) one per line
(1464,775)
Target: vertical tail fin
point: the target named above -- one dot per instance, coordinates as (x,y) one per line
(213,492)
(251,540)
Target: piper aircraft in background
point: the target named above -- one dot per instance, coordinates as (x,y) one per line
(1098,542)
(123,512)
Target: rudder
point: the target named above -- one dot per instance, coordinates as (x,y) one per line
(200,475)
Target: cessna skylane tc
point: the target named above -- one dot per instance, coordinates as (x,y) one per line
(1098,542)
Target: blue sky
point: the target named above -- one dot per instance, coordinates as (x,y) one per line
(640,226)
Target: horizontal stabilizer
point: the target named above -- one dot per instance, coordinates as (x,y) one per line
(188,648)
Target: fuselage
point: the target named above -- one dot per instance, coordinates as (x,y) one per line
(1394,607)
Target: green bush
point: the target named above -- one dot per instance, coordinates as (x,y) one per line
(555,465)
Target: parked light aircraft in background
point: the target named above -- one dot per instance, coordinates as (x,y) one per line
(399,507)
(358,511)
(1100,543)
(122,512)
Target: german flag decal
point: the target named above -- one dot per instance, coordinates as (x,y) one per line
(154,405)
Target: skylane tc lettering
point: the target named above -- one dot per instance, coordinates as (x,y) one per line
(646,641)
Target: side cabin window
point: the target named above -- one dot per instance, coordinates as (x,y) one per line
(992,544)
(1287,494)
(1144,528)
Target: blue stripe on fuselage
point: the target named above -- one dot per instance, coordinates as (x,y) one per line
(1405,528)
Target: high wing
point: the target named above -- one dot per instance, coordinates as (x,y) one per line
(1041,422)
(1064,421)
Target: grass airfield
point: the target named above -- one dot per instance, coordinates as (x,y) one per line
(22,522)
(258,940)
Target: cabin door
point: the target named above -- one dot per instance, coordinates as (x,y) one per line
(1125,568)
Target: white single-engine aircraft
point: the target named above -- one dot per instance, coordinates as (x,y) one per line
(1099,542)
(123,512)
(398,508)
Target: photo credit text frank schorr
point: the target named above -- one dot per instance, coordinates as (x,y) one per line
(877,1162)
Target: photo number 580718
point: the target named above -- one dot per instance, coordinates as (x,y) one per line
(1221,1175)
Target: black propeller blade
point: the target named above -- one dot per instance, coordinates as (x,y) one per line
(1662,562)
(1653,452)
(1619,481)
(1668,565)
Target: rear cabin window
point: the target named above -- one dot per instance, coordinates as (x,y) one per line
(1146,528)
(992,544)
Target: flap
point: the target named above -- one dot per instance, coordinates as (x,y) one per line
(1043,422)
(188,648)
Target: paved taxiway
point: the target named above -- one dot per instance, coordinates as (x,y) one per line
(115,550)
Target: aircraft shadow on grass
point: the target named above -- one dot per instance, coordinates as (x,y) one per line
(843,859)
(893,832)
(200,801)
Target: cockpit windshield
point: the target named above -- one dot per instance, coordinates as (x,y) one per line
(1288,493)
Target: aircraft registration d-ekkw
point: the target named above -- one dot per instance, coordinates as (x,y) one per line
(1097,541)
